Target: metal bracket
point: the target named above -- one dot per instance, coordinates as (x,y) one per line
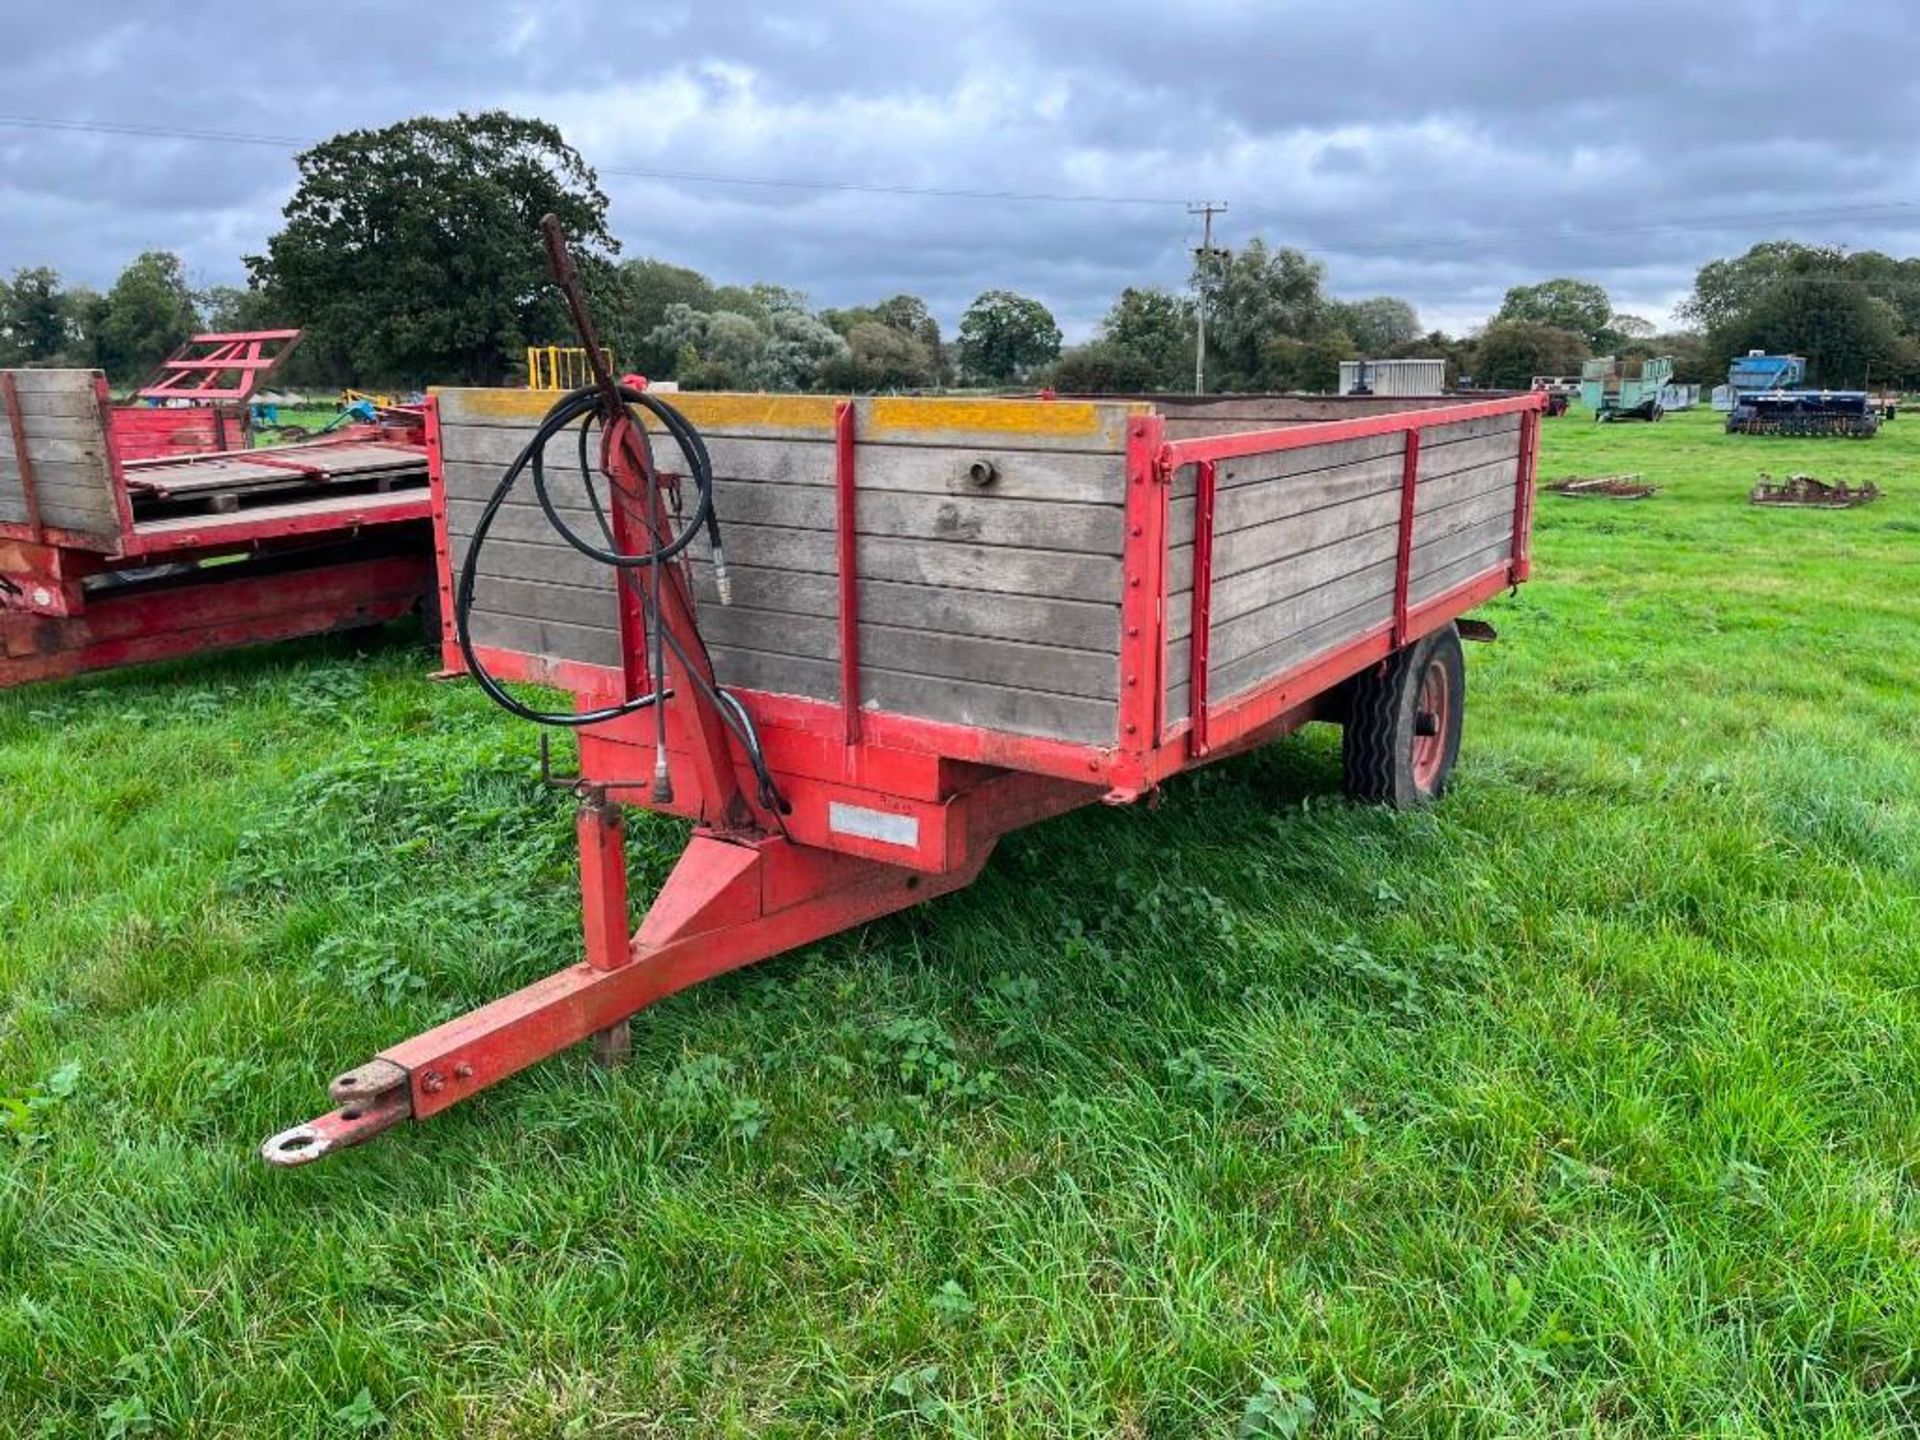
(1478,630)
(373,1098)
(593,792)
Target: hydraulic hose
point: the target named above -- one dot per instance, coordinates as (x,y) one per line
(585,408)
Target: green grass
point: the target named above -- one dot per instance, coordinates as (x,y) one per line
(1584,1103)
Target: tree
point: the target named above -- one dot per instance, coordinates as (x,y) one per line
(786,349)
(910,316)
(149,311)
(879,357)
(36,325)
(1150,333)
(1254,296)
(1511,352)
(712,349)
(1565,304)
(1723,290)
(1847,334)
(1377,325)
(1104,367)
(800,346)
(639,294)
(1854,316)
(1004,337)
(413,253)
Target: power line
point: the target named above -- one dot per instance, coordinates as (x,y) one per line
(1207,209)
(1373,242)
(291,142)
(151,132)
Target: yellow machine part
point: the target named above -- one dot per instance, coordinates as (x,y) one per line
(561,367)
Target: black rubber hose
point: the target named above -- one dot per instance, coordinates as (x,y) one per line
(577,406)
(584,406)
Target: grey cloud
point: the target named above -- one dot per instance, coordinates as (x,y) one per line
(1437,151)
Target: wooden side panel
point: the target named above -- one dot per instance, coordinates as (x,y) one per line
(1306,542)
(68,453)
(988,552)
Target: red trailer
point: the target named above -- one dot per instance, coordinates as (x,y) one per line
(198,399)
(104,561)
(920,624)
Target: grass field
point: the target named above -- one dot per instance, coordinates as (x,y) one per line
(1586,1102)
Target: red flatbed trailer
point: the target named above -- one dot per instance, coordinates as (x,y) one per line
(103,560)
(948,619)
(197,400)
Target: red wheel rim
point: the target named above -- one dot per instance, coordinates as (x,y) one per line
(1432,717)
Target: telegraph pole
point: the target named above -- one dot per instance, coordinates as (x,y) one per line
(1208,209)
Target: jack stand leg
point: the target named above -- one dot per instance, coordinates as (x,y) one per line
(603,894)
(613,1046)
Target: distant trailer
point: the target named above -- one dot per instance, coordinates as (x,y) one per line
(108,561)
(1679,397)
(1393,377)
(1625,389)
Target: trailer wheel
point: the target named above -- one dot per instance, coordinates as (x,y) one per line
(1402,733)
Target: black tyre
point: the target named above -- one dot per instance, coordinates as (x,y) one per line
(1403,723)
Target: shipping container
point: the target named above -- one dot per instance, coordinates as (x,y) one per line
(1393,377)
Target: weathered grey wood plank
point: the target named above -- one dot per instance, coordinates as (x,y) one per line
(84,426)
(1045,669)
(994,707)
(57,382)
(1017,474)
(1245,506)
(1440,578)
(1244,634)
(537,600)
(1471,540)
(50,406)
(1450,519)
(1239,676)
(590,645)
(997,569)
(1438,436)
(1299,461)
(1069,624)
(59,494)
(1467,454)
(86,456)
(1279,543)
(984,520)
(515,560)
(1466,484)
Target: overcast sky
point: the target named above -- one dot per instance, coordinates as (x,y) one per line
(1439,151)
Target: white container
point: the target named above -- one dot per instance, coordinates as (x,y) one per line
(1394,377)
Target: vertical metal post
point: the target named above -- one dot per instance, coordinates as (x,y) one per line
(846,519)
(603,908)
(1200,641)
(1522,563)
(1143,567)
(1403,557)
(17,421)
(1209,210)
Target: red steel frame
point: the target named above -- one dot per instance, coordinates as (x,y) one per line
(194,371)
(750,888)
(300,574)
